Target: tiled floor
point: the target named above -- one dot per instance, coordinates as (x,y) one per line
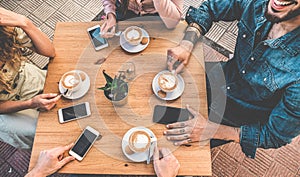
(228,160)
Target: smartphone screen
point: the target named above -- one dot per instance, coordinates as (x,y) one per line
(97,40)
(84,143)
(167,115)
(74,112)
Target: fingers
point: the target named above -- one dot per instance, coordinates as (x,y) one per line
(60,150)
(66,160)
(156,153)
(48,95)
(180,68)
(186,141)
(166,153)
(179,137)
(177,125)
(177,131)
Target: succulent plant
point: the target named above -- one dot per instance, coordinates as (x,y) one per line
(116,87)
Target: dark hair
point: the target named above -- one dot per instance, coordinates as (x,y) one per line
(8,46)
(121,8)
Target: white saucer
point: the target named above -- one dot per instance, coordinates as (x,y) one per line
(134,48)
(79,93)
(137,157)
(169,95)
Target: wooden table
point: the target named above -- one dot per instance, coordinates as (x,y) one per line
(74,51)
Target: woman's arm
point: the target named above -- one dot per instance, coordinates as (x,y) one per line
(170,11)
(42,101)
(40,41)
(109,6)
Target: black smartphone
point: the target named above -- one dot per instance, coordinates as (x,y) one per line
(167,114)
(84,143)
(74,112)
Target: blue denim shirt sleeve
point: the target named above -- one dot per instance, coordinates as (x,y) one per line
(282,127)
(211,11)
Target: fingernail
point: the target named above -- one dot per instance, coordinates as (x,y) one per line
(168,138)
(167,126)
(176,144)
(165,132)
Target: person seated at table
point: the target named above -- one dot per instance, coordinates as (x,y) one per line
(170,12)
(21,83)
(254,98)
(50,161)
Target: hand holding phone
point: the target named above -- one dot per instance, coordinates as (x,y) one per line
(74,112)
(84,143)
(168,115)
(97,41)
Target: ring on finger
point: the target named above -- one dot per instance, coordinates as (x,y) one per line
(182,130)
(189,140)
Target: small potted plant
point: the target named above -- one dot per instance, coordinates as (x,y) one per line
(115,89)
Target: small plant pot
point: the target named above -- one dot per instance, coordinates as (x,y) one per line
(120,100)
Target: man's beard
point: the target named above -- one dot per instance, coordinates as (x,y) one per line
(275,19)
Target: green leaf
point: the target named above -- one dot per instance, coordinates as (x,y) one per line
(107,77)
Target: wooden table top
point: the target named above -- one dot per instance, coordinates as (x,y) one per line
(74,51)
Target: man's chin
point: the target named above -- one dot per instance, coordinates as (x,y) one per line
(274,16)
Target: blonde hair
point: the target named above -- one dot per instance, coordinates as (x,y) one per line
(9,48)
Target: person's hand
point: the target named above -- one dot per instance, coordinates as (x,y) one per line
(45,101)
(50,161)
(167,166)
(9,18)
(108,28)
(179,56)
(193,130)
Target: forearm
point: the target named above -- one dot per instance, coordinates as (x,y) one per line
(34,173)
(191,37)
(14,106)
(109,6)
(41,42)
(169,11)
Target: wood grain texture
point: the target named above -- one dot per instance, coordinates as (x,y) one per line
(74,51)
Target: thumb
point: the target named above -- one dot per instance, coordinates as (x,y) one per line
(192,111)
(66,160)
(48,95)
(156,153)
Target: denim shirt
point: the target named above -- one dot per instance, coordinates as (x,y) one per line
(263,78)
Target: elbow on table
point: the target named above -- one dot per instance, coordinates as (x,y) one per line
(171,23)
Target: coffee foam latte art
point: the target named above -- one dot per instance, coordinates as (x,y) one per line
(140,141)
(167,81)
(133,35)
(70,81)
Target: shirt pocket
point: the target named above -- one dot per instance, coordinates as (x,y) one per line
(263,81)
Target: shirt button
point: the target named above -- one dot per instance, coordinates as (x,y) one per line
(190,10)
(187,14)
(252,59)
(249,156)
(244,36)
(243,71)
(228,88)
(265,79)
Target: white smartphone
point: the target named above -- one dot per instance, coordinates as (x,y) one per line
(74,112)
(84,143)
(97,40)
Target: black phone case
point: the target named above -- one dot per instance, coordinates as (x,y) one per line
(167,115)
